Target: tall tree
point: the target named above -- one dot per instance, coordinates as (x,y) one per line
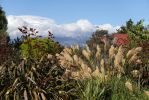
(138,35)
(127,27)
(101,38)
(4,38)
(137,32)
(96,38)
(3,23)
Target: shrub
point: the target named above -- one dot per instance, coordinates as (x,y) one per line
(34,46)
(35,80)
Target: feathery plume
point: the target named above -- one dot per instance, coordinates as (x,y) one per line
(133,59)
(96,73)
(138,49)
(86,54)
(76,59)
(130,53)
(128,85)
(98,52)
(87,48)
(68,57)
(68,50)
(146,93)
(102,66)
(111,52)
(135,73)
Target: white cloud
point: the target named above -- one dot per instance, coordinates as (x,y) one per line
(108,27)
(71,33)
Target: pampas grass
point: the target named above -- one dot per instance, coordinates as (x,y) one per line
(88,63)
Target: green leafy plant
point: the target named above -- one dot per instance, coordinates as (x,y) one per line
(34,80)
(34,46)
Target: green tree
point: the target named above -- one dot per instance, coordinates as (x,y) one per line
(128,27)
(138,35)
(101,38)
(3,23)
(96,38)
(135,31)
(4,38)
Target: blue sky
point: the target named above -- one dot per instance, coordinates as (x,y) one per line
(115,12)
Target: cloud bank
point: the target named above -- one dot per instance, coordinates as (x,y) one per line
(72,33)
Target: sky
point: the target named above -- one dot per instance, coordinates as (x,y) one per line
(115,12)
(73,17)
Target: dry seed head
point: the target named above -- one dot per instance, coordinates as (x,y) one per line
(96,73)
(68,50)
(75,47)
(120,69)
(63,63)
(87,48)
(76,59)
(111,52)
(133,58)
(61,57)
(146,93)
(102,66)
(118,62)
(57,55)
(138,49)
(130,53)
(50,56)
(86,75)
(118,59)
(62,53)
(86,54)
(120,49)
(98,48)
(85,68)
(135,73)
(67,74)
(68,57)
(138,61)
(76,75)
(128,85)
(98,52)
(80,61)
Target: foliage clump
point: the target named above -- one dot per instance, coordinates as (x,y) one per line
(35,46)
